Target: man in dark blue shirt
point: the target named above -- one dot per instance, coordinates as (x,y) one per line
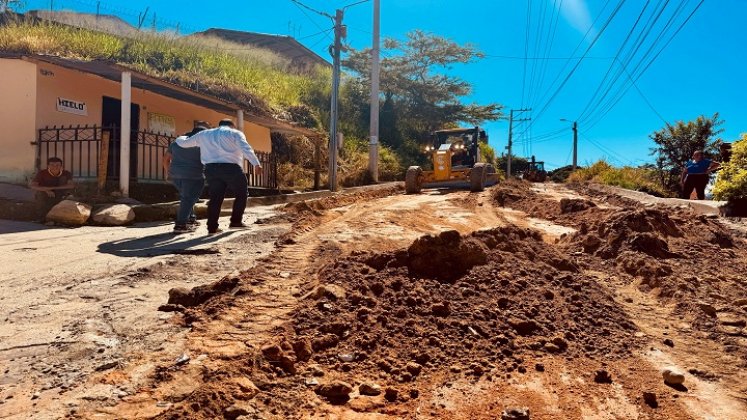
(185,170)
(695,175)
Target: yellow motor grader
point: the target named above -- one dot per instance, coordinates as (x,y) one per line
(455,156)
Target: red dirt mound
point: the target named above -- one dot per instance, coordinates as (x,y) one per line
(513,298)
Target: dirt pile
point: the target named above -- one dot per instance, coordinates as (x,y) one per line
(487,304)
(519,196)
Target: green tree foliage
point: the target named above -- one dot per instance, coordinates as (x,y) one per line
(731,183)
(419,96)
(640,179)
(561,174)
(518,164)
(676,144)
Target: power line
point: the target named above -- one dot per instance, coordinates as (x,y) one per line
(612,64)
(301,5)
(621,93)
(573,70)
(355,4)
(526,50)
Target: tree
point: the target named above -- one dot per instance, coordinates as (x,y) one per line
(731,183)
(419,97)
(676,144)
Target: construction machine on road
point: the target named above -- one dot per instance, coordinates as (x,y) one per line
(455,156)
(535,172)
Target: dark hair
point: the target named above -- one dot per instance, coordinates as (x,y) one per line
(54,159)
(202,125)
(226,122)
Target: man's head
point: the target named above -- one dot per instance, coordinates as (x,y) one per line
(54,165)
(698,155)
(202,125)
(226,122)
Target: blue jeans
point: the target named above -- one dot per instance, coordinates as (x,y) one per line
(189,192)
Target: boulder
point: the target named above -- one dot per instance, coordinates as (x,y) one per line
(69,212)
(114,215)
(672,376)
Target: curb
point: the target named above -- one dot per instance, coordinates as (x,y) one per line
(167,211)
(702,207)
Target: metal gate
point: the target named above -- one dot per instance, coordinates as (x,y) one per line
(81,148)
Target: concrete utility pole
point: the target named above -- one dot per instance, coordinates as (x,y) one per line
(339,33)
(373,145)
(575,142)
(124,131)
(511,135)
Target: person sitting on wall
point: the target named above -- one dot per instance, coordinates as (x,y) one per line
(51,185)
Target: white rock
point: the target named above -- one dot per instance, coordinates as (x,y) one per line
(69,212)
(114,215)
(672,376)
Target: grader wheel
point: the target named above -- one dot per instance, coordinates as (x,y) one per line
(477,177)
(414,180)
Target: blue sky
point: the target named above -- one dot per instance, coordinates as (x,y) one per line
(700,72)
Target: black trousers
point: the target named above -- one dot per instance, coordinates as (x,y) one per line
(220,177)
(697,182)
(44,202)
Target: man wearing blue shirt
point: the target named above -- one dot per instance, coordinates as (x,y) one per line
(185,171)
(695,175)
(222,151)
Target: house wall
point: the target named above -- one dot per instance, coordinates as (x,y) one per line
(83,87)
(17,119)
(29,101)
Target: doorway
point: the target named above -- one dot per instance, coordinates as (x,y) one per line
(111,117)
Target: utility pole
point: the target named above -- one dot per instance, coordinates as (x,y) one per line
(575,144)
(339,33)
(98,9)
(575,141)
(373,145)
(511,135)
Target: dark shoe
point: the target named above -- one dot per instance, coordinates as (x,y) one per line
(194,223)
(238,226)
(179,229)
(215,232)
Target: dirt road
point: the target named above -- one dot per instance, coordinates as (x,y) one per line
(567,302)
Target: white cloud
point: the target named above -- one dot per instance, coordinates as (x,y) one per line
(576,12)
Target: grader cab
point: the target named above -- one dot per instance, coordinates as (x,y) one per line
(535,172)
(455,159)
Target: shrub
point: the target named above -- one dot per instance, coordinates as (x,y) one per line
(638,179)
(731,183)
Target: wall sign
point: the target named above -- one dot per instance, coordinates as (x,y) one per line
(72,107)
(162,124)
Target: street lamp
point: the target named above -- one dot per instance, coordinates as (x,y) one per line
(575,141)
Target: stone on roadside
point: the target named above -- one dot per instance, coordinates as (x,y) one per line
(336,390)
(247,388)
(707,308)
(235,411)
(603,377)
(515,413)
(650,399)
(114,215)
(369,389)
(669,342)
(672,376)
(69,213)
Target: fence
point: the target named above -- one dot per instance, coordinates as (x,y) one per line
(80,149)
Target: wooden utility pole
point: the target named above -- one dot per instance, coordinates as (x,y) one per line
(510,136)
(336,49)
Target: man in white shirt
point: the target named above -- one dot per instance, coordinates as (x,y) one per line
(222,151)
